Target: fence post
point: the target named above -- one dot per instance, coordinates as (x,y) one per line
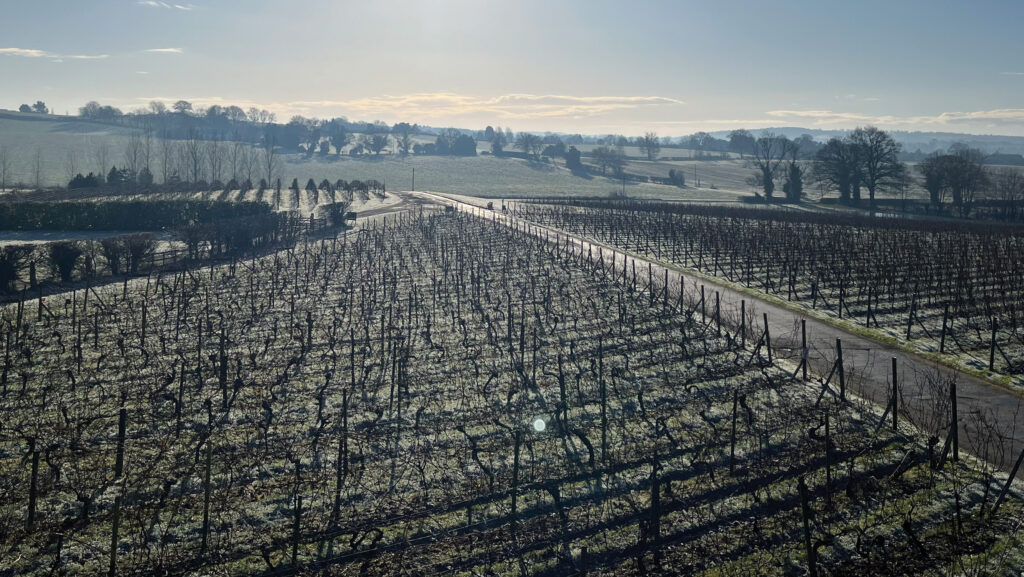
(743,322)
(703,315)
(992,347)
(803,346)
(732,435)
(910,321)
(33,486)
(805,509)
(718,316)
(828,461)
(842,370)
(955,430)
(942,341)
(1006,487)
(895,397)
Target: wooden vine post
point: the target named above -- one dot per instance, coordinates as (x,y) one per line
(895,397)
(806,513)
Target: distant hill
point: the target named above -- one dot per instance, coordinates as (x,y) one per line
(925,142)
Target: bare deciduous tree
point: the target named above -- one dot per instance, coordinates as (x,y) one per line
(650,145)
(101,157)
(214,160)
(961,174)
(794,185)
(168,153)
(250,162)
(700,142)
(147,149)
(878,158)
(5,167)
(133,154)
(1009,184)
(235,157)
(70,164)
(966,176)
(403,137)
(529,143)
(375,143)
(194,157)
(271,163)
(932,178)
(608,158)
(741,141)
(37,169)
(768,154)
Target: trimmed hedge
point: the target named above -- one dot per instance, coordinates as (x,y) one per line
(124,215)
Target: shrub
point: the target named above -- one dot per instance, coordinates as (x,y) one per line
(11,260)
(113,252)
(80,181)
(138,248)
(64,257)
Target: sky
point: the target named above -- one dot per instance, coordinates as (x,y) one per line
(590,67)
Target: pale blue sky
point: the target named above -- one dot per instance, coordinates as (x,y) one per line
(592,67)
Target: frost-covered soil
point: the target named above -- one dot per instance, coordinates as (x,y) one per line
(447,396)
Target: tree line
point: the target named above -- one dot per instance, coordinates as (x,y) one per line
(38,108)
(868,160)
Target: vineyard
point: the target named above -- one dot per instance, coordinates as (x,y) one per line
(444,395)
(955,289)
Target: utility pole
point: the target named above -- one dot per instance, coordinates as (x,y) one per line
(414,179)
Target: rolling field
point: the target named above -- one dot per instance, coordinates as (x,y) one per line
(55,139)
(66,142)
(479,176)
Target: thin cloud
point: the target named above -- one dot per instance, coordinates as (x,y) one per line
(25,52)
(1002,114)
(1002,118)
(1012,73)
(34,53)
(444,108)
(166,50)
(441,105)
(999,121)
(568,98)
(166,5)
(718,124)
